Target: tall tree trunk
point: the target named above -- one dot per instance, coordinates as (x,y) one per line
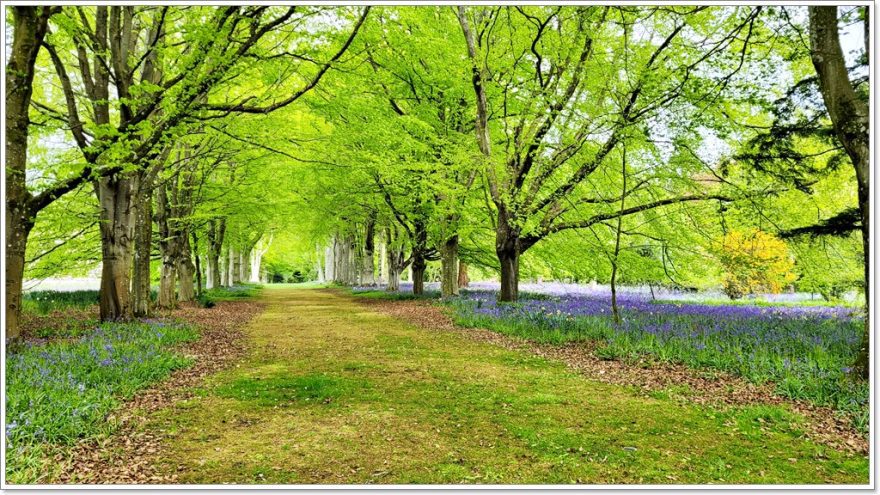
(850,117)
(615,311)
(256,260)
(261,247)
(167,251)
(198,265)
(167,274)
(463,279)
(143,236)
(17,232)
(319,268)
(244,264)
(29,29)
(213,271)
(353,265)
(117,229)
(383,264)
(368,274)
(216,233)
(449,267)
(330,263)
(507,247)
(418,274)
(234,266)
(185,268)
(222,265)
(509,275)
(209,275)
(339,260)
(395,267)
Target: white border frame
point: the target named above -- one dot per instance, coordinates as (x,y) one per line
(422,488)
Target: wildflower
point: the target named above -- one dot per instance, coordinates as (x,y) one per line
(9,427)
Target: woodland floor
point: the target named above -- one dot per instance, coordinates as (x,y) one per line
(333,391)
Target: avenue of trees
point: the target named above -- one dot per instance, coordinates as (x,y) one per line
(190,147)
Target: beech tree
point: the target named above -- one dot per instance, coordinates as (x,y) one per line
(559,122)
(128,128)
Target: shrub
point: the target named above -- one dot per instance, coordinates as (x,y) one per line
(754,262)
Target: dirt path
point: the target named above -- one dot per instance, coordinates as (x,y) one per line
(333,392)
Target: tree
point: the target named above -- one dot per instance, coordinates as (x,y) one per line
(849,116)
(129,127)
(754,262)
(553,137)
(30,25)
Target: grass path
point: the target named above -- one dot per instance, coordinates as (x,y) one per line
(335,393)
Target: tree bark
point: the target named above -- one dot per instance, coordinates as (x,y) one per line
(395,267)
(615,311)
(330,262)
(185,267)
(850,118)
(216,233)
(17,232)
(29,28)
(114,195)
(418,274)
(383,264)
(234,266)
(224,270)
(509,275)
(340,258)
(508,249)
(449,267)
(368,273)
(352,265)
(244,265)
(168,270)
(463,279)
(200,274)
(143,236)
(257,252)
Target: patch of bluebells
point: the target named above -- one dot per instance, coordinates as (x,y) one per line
(806,351)
(62,391)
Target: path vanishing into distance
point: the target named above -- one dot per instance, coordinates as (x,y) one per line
(334,392)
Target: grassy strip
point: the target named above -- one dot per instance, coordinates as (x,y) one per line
(234,293)
(63,391)
(43,302)
(394,296)
(334,393)
(801,368)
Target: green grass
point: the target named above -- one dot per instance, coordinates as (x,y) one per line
(42,302)
(234,293)
(335,393)
(393,296)
(63,391)
(804,358)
